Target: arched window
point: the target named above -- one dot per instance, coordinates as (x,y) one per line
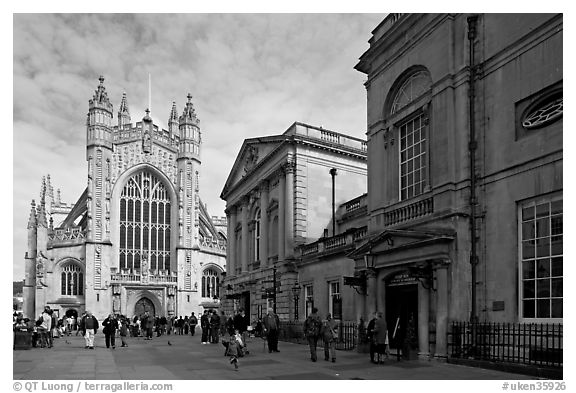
(412,131)
(144,223)
(210,283)
(257,236)
(413,87)
(72,280)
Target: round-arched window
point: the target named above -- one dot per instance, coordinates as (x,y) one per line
(413,87)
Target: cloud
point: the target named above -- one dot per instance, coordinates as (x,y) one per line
(250,75)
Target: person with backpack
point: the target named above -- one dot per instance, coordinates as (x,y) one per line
(312,327)
(329,335)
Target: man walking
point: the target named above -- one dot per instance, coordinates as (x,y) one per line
(312,326)
(271,325)
(205,325)
(193,323)
(89,325)
(110,325)
(370,334)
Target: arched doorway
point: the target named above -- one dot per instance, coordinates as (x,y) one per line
(144,305)
(71,312)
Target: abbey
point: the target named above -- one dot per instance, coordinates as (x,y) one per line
(139,237)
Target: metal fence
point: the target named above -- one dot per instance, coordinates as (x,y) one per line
(530,344)
(293,331)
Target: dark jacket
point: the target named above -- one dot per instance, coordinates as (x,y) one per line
(204,321)
(268,321)
(312,326)
(94,323)
(241,323)
(109,325)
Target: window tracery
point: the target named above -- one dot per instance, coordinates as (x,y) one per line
(144,223)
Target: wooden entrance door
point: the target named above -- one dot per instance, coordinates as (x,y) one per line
(144,305)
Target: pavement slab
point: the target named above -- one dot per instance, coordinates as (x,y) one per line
(185,358)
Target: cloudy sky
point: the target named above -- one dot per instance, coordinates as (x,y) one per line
(249,74)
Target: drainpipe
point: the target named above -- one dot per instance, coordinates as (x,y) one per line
(472,146)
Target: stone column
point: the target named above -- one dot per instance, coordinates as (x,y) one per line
(423,316)
(245,236)
(281,216)
(441,311)
(231,247)
(372,293)
(264,224)
(289,210)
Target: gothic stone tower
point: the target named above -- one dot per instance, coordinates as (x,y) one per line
(99,148)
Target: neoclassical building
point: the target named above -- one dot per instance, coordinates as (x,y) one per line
(139,237)
(279,195)
(465,172)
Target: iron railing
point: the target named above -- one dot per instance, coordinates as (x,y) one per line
(293,331)
(523,343)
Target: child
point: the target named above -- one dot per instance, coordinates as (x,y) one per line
(124,332)
(234,349)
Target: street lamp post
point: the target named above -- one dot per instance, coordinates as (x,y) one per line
(333,174)
(296,293)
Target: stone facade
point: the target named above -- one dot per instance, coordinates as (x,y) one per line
(278,196)
(139,236)
(464,145)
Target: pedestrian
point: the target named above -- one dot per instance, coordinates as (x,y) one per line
(329,336)
(380,336)
(205,325)
(149,326)
(214,327)
(180,325)
(241,324)
(123,331)
(193,323)
(234,348)
(79,324)
(163,323)
(89,326)
(54,332)
(169,324)
(271,326)
(110,325)
(69,324)
(370,336)
(312,327)
(46,328)
(186,323)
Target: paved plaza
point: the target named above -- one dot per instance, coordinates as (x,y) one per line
(185,358)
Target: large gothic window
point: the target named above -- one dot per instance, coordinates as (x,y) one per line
(144,223)
(210,283)
(72,280)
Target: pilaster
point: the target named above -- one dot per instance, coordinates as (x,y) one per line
(264,224)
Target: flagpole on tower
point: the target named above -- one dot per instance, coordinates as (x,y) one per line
(149,92)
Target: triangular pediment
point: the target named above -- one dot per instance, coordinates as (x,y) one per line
(251,156)
(392,240)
